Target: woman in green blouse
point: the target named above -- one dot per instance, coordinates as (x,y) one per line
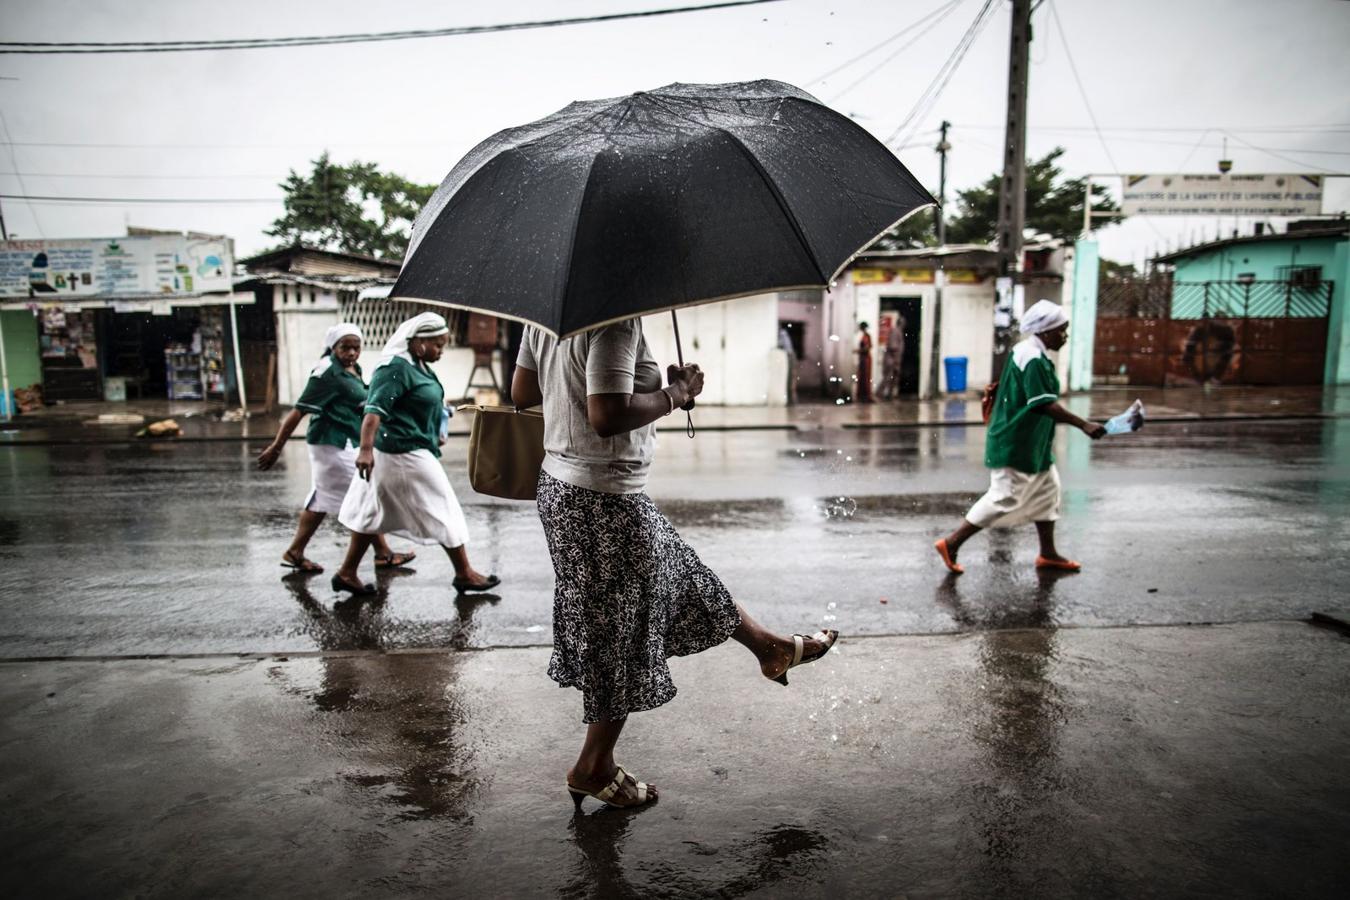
(333,398)
(402,488)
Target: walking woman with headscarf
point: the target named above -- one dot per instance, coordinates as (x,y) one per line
(1023,481)
(333,398)
(401,488)
(629,592)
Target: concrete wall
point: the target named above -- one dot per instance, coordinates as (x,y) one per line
(303,314)
(735,342)
(1082,317)
(1338,331)
(1264,260)
(22,359)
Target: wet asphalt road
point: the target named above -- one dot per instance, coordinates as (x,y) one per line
(160,549)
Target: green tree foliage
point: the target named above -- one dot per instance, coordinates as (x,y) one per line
(1054,204)
(354,208)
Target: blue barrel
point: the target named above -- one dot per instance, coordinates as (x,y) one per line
(956,373)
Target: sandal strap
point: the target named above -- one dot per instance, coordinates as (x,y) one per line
(613,788)
(798,644)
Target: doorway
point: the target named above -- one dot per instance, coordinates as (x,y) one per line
(906,315)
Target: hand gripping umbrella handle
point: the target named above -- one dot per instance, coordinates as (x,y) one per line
(679,355)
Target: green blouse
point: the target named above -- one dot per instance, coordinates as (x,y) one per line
(1020,436)
(334,399)
(408,399)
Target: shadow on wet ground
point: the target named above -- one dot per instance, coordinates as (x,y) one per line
(1009,763)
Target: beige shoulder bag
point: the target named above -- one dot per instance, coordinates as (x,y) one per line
(506,449)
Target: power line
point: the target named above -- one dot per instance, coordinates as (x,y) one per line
(1277,155)
(1329,128)
(875,47)
(943,13)
(259,177)
(944,74)
(39,198)
(14,161)
(69,47)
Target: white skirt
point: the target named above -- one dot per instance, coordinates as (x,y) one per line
(1015,498)
(331,470)
(409,496)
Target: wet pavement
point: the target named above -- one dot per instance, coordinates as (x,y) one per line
(1002,734)
(175,549)
(1148,762)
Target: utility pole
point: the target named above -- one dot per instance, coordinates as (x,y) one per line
(939,275)
(1012,195)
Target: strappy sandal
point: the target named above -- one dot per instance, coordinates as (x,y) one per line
(300,565)
(827,637)
(394,560)
(609,792)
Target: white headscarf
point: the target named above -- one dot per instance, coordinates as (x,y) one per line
(1043,316)
(330,340)
(427,324)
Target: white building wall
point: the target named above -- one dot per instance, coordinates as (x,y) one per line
(304,315)
(735,342)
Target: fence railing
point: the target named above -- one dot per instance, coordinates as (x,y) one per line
(1163,298)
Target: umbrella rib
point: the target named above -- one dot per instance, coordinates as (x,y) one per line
(572,244)
(779,199)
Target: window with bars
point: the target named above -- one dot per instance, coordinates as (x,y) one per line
(379,319)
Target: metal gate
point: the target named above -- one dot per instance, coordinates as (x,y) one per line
(1161,333)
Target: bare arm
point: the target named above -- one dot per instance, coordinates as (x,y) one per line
(365,457)
(1064,417)
(614,414)
(525,390)
(268,457)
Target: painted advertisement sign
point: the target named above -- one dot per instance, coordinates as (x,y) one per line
(140,266)
(1222,195)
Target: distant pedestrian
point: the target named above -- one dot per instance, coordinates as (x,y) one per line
(864,351)
(892,358)
(401,488)
(332,398)
(1024,484)
(629,592)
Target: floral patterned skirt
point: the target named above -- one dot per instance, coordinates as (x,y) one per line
(630,594)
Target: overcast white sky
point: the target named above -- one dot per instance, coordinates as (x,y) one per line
(231,124)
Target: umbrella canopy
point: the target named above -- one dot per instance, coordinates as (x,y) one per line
(610,209)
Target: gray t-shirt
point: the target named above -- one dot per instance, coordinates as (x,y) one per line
(614,359)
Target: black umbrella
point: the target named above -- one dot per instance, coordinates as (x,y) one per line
(610,209)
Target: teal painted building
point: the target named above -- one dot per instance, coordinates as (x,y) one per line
(1311,252)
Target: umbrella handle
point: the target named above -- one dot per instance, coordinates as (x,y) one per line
(679,355)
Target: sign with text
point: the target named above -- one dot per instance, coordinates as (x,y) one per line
(140,266)
(1222,195)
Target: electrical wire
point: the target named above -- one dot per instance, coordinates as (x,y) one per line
(934,90)
(239,201)
(70,47)
(951,7)
(14,161)
(1277,155)
(875,47)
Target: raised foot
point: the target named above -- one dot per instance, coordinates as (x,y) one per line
(948,557)
(804,650)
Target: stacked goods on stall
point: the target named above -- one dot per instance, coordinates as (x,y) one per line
(183,369)
(211,336)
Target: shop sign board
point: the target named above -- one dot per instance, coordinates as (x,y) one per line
(170,265)
(1222,195)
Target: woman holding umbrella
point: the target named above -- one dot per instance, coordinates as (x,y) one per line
(629,593)
(332,398)
(402,488)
